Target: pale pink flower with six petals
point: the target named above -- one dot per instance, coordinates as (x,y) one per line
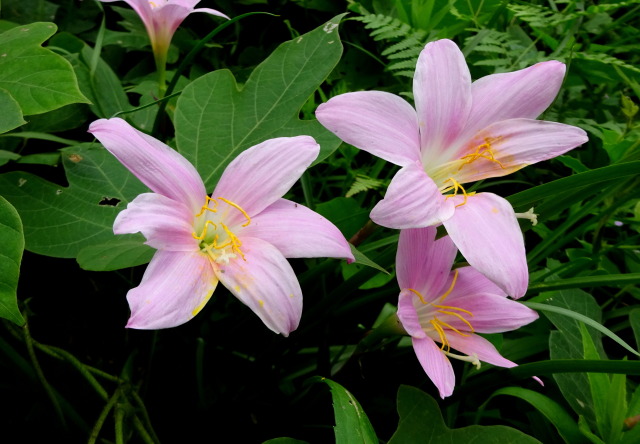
(239,236)
(459,132)
(438,305)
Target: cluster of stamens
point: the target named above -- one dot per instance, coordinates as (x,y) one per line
(483,151)
(214,247)
(440,325)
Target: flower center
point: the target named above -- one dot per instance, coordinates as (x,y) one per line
(440,314)
(217,239)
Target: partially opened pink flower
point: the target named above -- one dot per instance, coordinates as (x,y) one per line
(239,236)
(162,18)
(459,132)
(442,309)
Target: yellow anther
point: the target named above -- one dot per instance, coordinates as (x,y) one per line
(235,243)
(205,207)
(239,208)
(483,151)
(455,187)
(204,231)
(453,283)
(417,294)
(443,337)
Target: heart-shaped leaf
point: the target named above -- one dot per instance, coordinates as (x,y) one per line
(38,79)
(215,121)
(421,423)
(12,241)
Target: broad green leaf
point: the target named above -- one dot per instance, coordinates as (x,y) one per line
(38,79)
(215,120)
(554,412)
(566,343)
(61,221)
(103,86)
(115,254)
(613,280)
(599,383)
(352,424)
(585,320)
(10,112)
(345,213)
(616,406)
(6,156)
(12,241)
(421,423)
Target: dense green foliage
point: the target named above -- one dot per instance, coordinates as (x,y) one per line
(70,370)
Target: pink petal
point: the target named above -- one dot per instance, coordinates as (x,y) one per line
(159,167)
(491,313)
(266,283)
(486,232)
(471,281)
(515,144)
(262,174)
(474,344)
(212,12)
(423,263)
(297,231)
(520,94)
(435,364)
(167,224)
(442,93)
(380,123)
(412,200)
(174,288)
(408,315)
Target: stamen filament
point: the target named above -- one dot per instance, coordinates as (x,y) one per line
(204,231)
(443,337)
(451,327)
(205,207)
(483,151)
(418,294)
(453,283)
(456,186)
(472,359)
(239,208)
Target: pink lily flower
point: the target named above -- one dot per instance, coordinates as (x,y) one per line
(438,305)
(239,236)
(459,132)
(162,18)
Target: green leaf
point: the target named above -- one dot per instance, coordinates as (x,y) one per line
(215,121)
(12,241)
(526,199)
(577,316)
(599,383)
(613,280)
(10,112)
(421,423)
(345,213)
(115,254)
(634,320)
(61,221)
(554,412)
(364,260)
(38,79)
(352,424)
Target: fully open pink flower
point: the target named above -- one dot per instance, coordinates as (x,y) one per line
(459,132)
(162,18)
(239,236)
(438,305)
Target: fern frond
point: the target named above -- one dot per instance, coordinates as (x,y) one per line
(363,183)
